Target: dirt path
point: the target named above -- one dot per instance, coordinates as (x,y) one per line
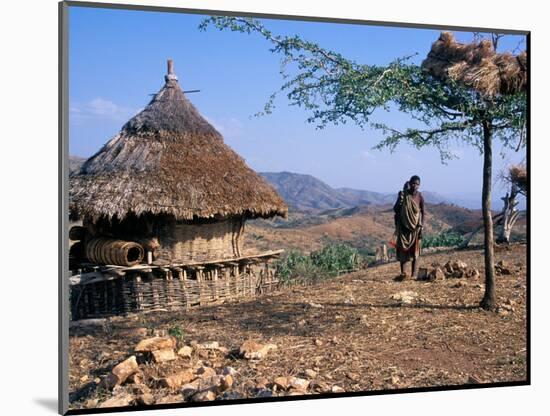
(351,331)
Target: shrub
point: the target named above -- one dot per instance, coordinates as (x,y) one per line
(176,331)
(444,239)
(321,264)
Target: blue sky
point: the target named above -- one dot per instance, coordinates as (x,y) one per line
(117,58)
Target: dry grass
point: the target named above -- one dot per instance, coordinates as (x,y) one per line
(477,65)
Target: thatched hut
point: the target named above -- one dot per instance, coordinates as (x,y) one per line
(168,182)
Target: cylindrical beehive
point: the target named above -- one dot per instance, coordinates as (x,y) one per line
(117,252)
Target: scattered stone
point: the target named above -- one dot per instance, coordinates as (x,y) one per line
(320,386)
(436,274)
(118,401)
(211,345)
(204,396)
(252,350)
(163,356)
(146,399)
(91,403)
(136,378)
(189,389)
(295,393)
(139,389)
(301,322)
(457,274)
(229,370)
(207,374)
(226,382)
(422,274)
(405,296)
(318,342)
(337,389)
(156,343)
(125,369)
(353,376)
(310,373)
(262,383)
(503,268)
(185,352)
(473,273)
(314,305)
(459,265)
(171,398)
(84,378)
(261,393)
(177,380)
(281,382)
(298,383)
(394,380)
(448,268)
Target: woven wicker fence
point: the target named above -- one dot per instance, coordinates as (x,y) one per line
(171,288)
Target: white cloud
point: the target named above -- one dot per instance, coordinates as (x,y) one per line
(100,108)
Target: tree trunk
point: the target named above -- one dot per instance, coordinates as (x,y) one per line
(488,301)
(510,214)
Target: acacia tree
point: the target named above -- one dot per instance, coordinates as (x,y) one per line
(335,90)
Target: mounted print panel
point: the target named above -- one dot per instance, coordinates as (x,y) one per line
(265,208)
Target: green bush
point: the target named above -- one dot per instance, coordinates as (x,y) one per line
(444,239)
(177,332)
(319,265)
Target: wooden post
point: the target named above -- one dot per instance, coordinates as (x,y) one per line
(139,293)
(215,281)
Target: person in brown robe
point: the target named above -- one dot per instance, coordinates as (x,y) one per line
(409,220)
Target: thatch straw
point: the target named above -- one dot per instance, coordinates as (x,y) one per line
(518,176)
(170,160)
(477,65)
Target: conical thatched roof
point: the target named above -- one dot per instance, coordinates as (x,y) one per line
(170,160)
(477,65)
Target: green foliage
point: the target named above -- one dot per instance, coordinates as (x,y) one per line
(444,239)
(177,332)
(336,89)
(321,264)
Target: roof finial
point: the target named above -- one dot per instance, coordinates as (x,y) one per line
(170,75)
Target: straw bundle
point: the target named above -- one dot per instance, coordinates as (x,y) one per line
(477,65)
(518,175)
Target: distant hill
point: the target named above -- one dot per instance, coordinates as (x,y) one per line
(307,193)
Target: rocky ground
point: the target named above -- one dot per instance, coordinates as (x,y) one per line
(359,332)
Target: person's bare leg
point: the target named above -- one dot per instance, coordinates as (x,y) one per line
(414,268)
(404,269)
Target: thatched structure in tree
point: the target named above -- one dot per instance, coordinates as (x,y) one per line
(477,65)
(518,177)
(168,180)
